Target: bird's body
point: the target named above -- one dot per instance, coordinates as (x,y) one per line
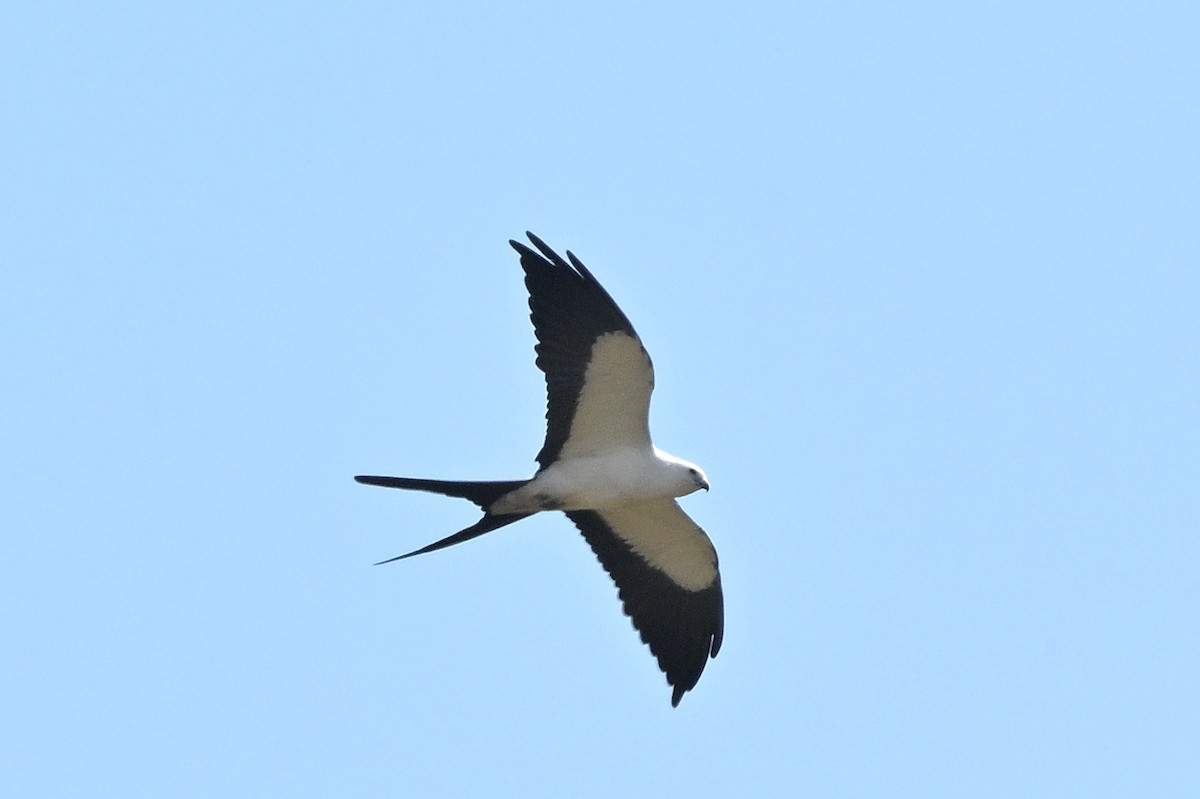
(599,466)
(602,480)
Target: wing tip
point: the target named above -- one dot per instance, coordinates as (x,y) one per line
(548,256)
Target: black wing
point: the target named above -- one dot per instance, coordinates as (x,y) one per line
(598,375)
(667,579)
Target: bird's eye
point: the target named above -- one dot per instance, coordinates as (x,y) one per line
(692,472)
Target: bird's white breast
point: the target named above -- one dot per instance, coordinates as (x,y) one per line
(593,482)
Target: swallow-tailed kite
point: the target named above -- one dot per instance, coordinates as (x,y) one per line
(599,466)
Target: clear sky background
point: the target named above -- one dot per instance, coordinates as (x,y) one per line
(922,285)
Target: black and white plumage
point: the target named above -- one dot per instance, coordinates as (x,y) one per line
(599,466)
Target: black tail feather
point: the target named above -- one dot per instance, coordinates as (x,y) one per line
(482,493)
(484,525)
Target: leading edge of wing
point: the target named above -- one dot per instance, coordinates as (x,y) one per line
(683,626)
(570,311)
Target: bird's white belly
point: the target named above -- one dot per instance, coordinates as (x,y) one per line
(591,483)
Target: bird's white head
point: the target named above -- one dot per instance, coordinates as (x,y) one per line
(688,476)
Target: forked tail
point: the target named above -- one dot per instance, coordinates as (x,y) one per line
(482,493)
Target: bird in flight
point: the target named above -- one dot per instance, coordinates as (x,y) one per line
(599,466)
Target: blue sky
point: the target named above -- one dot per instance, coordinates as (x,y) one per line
(921,286)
